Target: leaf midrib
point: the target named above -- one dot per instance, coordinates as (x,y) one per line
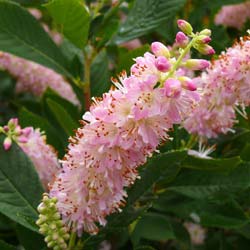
(19,192)
(38,51)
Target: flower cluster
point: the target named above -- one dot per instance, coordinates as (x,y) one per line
(234,15)
(226,88)
(33,143)
(123,129)
(50,224)
(34,78)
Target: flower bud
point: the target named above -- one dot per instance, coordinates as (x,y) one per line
(197,64)
(181,39)
(205,49)
(172,88)
(51,225)
(203,39)
(13,123)
(185,26)
(22,139)
(26,131)
(206,32)
(162,64)
(7,143)
(160,49)
(1,130)
(187,83)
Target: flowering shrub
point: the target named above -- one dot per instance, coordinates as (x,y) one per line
(123,126)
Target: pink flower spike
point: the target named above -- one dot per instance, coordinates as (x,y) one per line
(197,64)
(7,143)
(159,49)
(162,64)
(172,88)
(181,39)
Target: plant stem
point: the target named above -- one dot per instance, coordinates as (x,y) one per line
(86,85)
(179,60)
(112,11)
(72,241)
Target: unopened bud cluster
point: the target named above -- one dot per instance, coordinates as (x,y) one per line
(201,39)
(51,225)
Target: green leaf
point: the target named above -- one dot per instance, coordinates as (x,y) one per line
(144,248)
(202,184)
(22,35)
(73,19)
(68,106)
(62,116)
(163,166)
(100,82)
(153,226)
(145,16)
(226,164)
(29,239)
(29,2)
(6,246)
(28,118)
(20,187)
(223,213)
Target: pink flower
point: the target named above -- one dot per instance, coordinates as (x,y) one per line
(34,78)
(225,87)
(162,64)
(233,15)
(119,133)
(33,143)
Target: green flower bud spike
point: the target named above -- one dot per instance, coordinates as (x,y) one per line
(50,224)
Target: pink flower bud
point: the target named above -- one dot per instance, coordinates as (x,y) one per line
(22,139)
(26,131)
(181,39)
(204,39)
(13,123)
(5,128)
(187,83)
(7,143)
(162,64)
(205,49)
(159,49)
(206,32)
(197,64)
(172,88)
(185,26)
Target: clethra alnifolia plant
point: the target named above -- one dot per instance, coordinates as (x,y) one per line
(157,157)
(123,129)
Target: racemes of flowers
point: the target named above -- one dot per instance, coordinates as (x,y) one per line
(234,15)
(124,128)
(226,89)
(34,78)
(33,143)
